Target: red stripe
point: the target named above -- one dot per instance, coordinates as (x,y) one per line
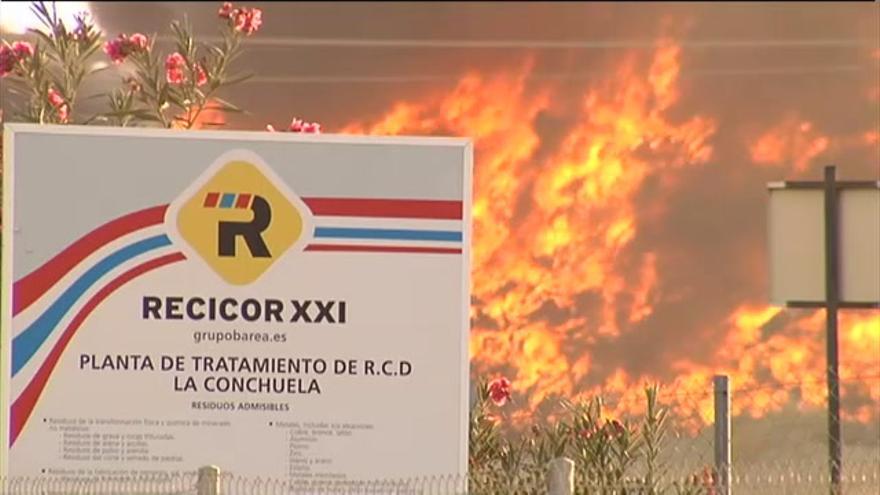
(24,405)
(381,249)
(211,200)
(30,287)
(388,208)
(244,200)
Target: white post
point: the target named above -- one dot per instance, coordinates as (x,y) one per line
(560,476)
(209,481)
(722,433)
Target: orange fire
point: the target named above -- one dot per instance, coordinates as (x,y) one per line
(555,275)
(793,142)
(209,117)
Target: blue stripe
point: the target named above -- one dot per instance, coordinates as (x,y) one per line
(25,345)
(227,200)
(390,234)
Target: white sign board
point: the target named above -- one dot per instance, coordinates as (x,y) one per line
(796,226)
(282,306)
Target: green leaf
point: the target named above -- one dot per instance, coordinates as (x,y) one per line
(236,79)
(176,101)
(43,36)
(227,106)
(42,13)
(96,70)
(175,26)
(216,51)
(136,113)
(225,110)
(89,51)
(145,115)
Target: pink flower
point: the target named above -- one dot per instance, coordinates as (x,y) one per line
(201,76)
(57,101)
(708,480)
(174,65)
(123,46)
(114,50)
(587,433)
(225,11)
(22,49)
(7,60)
(10,56)
(616,428)
(55,98)
(247,20)
(132,84)
(298,125)
(138,42)
(499,391)
(311,128)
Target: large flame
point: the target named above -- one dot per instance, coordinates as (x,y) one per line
(555,272)
(792,140)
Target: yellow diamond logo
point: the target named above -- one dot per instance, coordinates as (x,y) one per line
(239,218)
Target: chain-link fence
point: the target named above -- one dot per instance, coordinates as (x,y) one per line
(860,477)
(775,479)
(184,484)
(780,433)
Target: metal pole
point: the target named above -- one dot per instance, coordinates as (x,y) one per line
(560,476)
(208,482)
(722,433)
(831,305)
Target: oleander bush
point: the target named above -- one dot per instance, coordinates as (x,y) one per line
(610,456)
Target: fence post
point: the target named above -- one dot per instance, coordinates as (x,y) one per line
(722,433)
(560,476)
(209,481)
